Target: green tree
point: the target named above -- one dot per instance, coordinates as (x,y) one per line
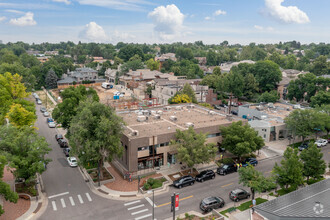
(314,165)
(71,97)
(128,51)
(322,97)
(184,53)
(188,90)
(234,85)
(191,147)
(240,139)
(217,71)
(51,79)
(95,133)
(291,171)
(250,86)
(25,151)
(152,64)
(267,74)
(19,116)
(255,180)
(320,66)
(212,80)
(272,96)
(5,190)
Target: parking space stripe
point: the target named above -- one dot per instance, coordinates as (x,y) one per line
(138,212)
(71,201)
(54,205)
(136,207)
(80,199)
(88,197)
(144,216)
(63,203)
(131,203)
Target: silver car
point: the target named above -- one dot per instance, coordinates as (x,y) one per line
(46,114)
(51,124)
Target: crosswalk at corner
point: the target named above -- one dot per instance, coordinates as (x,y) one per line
(65,201)
(138,210)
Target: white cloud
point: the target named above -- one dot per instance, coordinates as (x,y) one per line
(129,5)
(94,32)
(2,18)
(287,14)
(25,20)
(64,1)
(219,12)
(261,28)
(118,36)
(14,11)
(207,18)
(168,21)
(258,27)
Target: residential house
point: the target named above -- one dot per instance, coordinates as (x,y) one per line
(226,67)
(80,75)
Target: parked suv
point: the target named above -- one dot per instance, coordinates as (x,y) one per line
(247,161)
(210,203)
(62,143)
(58,136)
(238,194)
(205,175)
(227,168)
(66,151)
(184,181)
(303,146)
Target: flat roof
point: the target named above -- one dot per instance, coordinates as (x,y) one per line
(311,202)
(199,116)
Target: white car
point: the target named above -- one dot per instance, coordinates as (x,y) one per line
(51,124)
(39,102)
(46,114)
(321,142)
(72,161)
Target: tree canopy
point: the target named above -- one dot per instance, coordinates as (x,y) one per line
(313,164)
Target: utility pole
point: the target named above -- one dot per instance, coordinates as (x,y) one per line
(153,152)
(153,204)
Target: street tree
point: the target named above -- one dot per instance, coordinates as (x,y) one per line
(322,97)
(290,173)
(19,116)
(314,165)
(240,139)
(188,90)
(271,96)
(25,151)
(192,148)
(51,79)
(71,97)
(95,133)
(255,180)
(267,74)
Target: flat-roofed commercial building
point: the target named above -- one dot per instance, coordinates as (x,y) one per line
(147,134)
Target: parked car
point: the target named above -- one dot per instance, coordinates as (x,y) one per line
(51,124)
(321,142)
(50,120)
(66,151)
(210,203)
(239,103)
(223,105)
(46,114)
(239,194)
(62,143)
(34,94)
(234,112)
(39,102)
(247,161)
(184,181)
(205,175)
(217,107)
(303,146)
(72,161)
(58,136)
(43,109)
(227,168)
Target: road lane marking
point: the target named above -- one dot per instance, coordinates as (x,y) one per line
(80,199)
(88,197)
(138,212)
(63,203)
(131,203)
(71,200)
(144,216)
(179,200)
(54,205)
(227,185)
(151,203)
(136,207)
(57,195)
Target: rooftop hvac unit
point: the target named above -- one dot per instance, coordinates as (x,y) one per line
(229,117)
(145,112)
(159,112)
(157,116)
(259,108)
(190,106)
(135,133)
(178,107)
(173,118)
(189,124)
(141,118)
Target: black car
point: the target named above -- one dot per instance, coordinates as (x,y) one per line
(217,107)
(62,143)
(184,181)
(227,168)
(303,146)
(238,194)
(205,175)
(58,136)
(223,105)
(247,161)
(234,112)
(210,203)
(66,151)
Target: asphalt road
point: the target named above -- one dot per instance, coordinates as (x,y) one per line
(69,197)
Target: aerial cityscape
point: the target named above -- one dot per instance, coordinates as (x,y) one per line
(168,110)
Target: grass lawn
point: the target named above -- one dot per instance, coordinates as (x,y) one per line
(282,192)
(244,206)
(312,181)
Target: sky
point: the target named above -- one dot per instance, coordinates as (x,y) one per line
(164,21)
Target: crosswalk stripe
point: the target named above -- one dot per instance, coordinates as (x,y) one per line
(63,203)
(149,200)
(80,199)
(71,200)
(131,203)
(135,207)
(88,197)
(138,212)
(54,205)
(144,216)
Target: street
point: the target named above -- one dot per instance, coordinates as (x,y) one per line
(69,197)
